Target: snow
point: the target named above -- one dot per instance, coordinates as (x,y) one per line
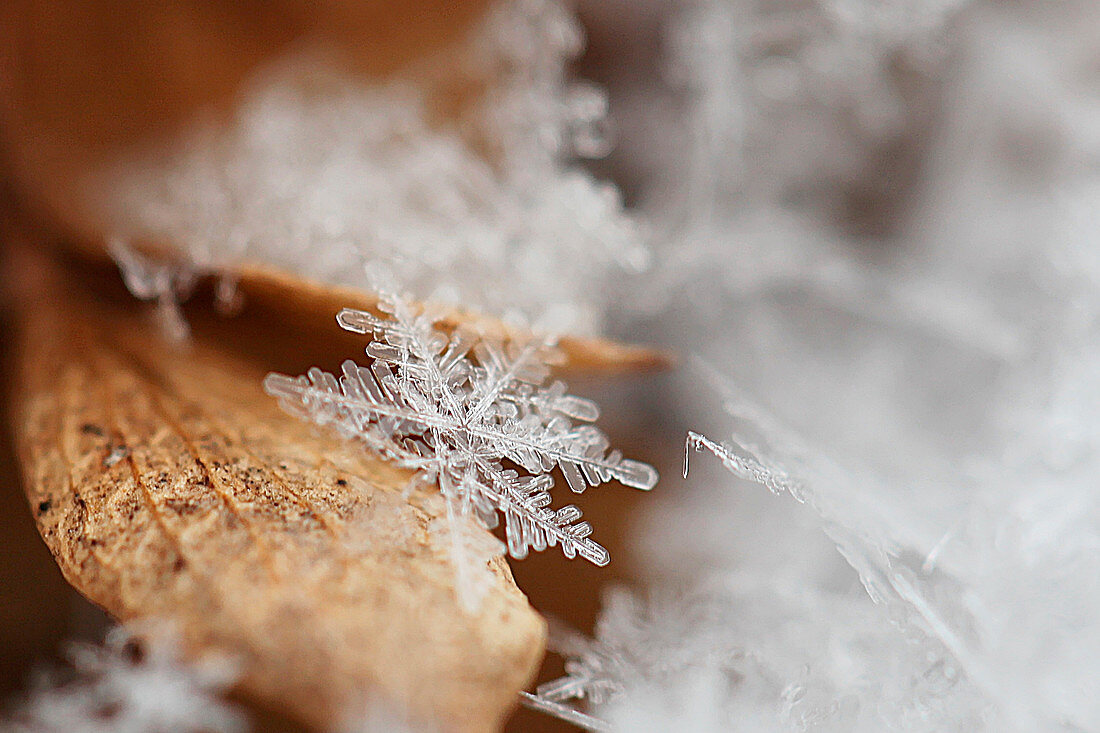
(135,682)
(324,174)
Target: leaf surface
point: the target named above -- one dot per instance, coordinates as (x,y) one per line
(168,485)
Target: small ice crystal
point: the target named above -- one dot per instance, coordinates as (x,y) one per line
(148,278)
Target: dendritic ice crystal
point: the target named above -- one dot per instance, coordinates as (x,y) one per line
(475,413)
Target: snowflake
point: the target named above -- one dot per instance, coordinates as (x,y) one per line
(473,412)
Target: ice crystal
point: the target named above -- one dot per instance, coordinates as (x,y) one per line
(167,282)
(564,712)
(131,684)
(474,413)
(164,283)
(957,555)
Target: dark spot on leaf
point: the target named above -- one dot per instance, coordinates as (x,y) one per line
(44,506)
(134,651)
(91,429)
(181,506)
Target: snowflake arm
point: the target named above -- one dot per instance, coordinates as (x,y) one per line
(530,523)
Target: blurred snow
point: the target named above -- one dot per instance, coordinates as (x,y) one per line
(458,174)
(135,682)
(931,383)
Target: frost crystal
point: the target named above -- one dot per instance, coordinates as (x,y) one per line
(474,413)
(166,284)
(130,685)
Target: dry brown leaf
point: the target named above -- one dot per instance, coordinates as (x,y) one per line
(167,485)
